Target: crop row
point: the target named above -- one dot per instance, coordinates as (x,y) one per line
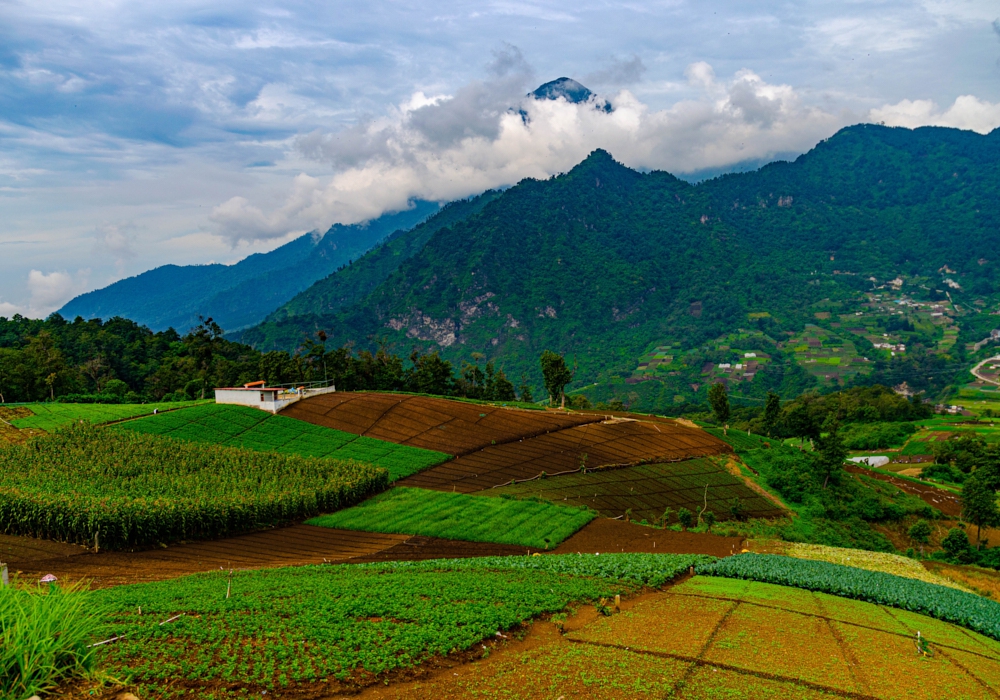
(737,439)
(240,426)
(122,489)
(948,604)
(458,516)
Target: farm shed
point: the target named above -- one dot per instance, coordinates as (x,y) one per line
(272,399)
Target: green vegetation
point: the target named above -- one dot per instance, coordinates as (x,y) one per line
(948,604)
(50,416)
(119,489)
(457,516)
(279,627)
(44,637)
(240,426)
(839,515)
(739,440)
(876,436)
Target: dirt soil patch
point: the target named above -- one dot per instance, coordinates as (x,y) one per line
(452,427)
(945,501)
(605,535)
(610,443)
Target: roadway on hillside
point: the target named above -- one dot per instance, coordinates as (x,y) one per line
(978,375)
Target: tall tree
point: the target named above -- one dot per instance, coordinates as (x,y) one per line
(557,375)
(830,453)
(979,502)
(718,397)
(772,411)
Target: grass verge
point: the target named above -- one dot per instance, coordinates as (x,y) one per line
(241,426)
(458,516)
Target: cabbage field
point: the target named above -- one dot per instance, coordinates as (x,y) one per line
(241,426)
(119,489)
(50,416)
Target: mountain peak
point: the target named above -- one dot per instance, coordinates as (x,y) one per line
(571,91)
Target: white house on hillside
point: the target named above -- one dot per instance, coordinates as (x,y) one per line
(266,398)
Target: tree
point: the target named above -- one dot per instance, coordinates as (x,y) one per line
(524,391)
(979,502)
(667,514)
(772,411)
(830,453)
(709,519)
(557,375)
(718,397)
(956,546)
(685,517)
(920,533)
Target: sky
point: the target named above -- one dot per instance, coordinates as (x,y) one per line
(138,134)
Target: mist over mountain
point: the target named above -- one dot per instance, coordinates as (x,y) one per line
(604,262)
(242,294)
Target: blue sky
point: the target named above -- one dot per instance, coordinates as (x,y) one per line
(135,134)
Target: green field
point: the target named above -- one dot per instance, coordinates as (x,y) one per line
(121,489)
(241,426)
(49,416)
(948,604)
(457,516)
(341,623)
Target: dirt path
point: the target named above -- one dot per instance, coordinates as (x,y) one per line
(305,544)
(945,501)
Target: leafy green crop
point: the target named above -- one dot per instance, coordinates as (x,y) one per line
(127,490)
(49,416)
(458,516)
(966,609)
(316,623)
(644,569)
(241,426)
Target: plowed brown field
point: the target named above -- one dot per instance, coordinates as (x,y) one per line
(614,442)
(452,427)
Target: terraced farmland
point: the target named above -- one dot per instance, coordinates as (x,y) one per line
(240,426)
(452,427)
(614,442)
(461,517)
(649,489)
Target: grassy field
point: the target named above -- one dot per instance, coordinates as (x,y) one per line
(647,490)
(241,426)
(458,516)
(49,416)
(120,489)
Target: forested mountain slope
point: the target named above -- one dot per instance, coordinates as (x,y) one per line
(242,294)
(602,262)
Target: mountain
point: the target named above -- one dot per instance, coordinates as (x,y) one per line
(604,263)
(571,91)
(239,295)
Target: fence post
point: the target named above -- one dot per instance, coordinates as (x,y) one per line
(4,578)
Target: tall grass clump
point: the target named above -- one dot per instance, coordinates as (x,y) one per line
(44,638)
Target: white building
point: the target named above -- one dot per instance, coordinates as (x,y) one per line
(272,399)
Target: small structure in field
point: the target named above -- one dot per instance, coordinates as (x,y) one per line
(266,398)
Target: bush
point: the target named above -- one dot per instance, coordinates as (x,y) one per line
(957,548)
(876,436)
(44,633)
(948,604)
(943,472)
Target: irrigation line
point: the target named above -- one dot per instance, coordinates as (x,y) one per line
(106,641)
(172,619)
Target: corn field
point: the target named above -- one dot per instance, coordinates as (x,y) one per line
(121,490)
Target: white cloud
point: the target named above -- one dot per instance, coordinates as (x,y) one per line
(489,135)
(967,112)
(47,292)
